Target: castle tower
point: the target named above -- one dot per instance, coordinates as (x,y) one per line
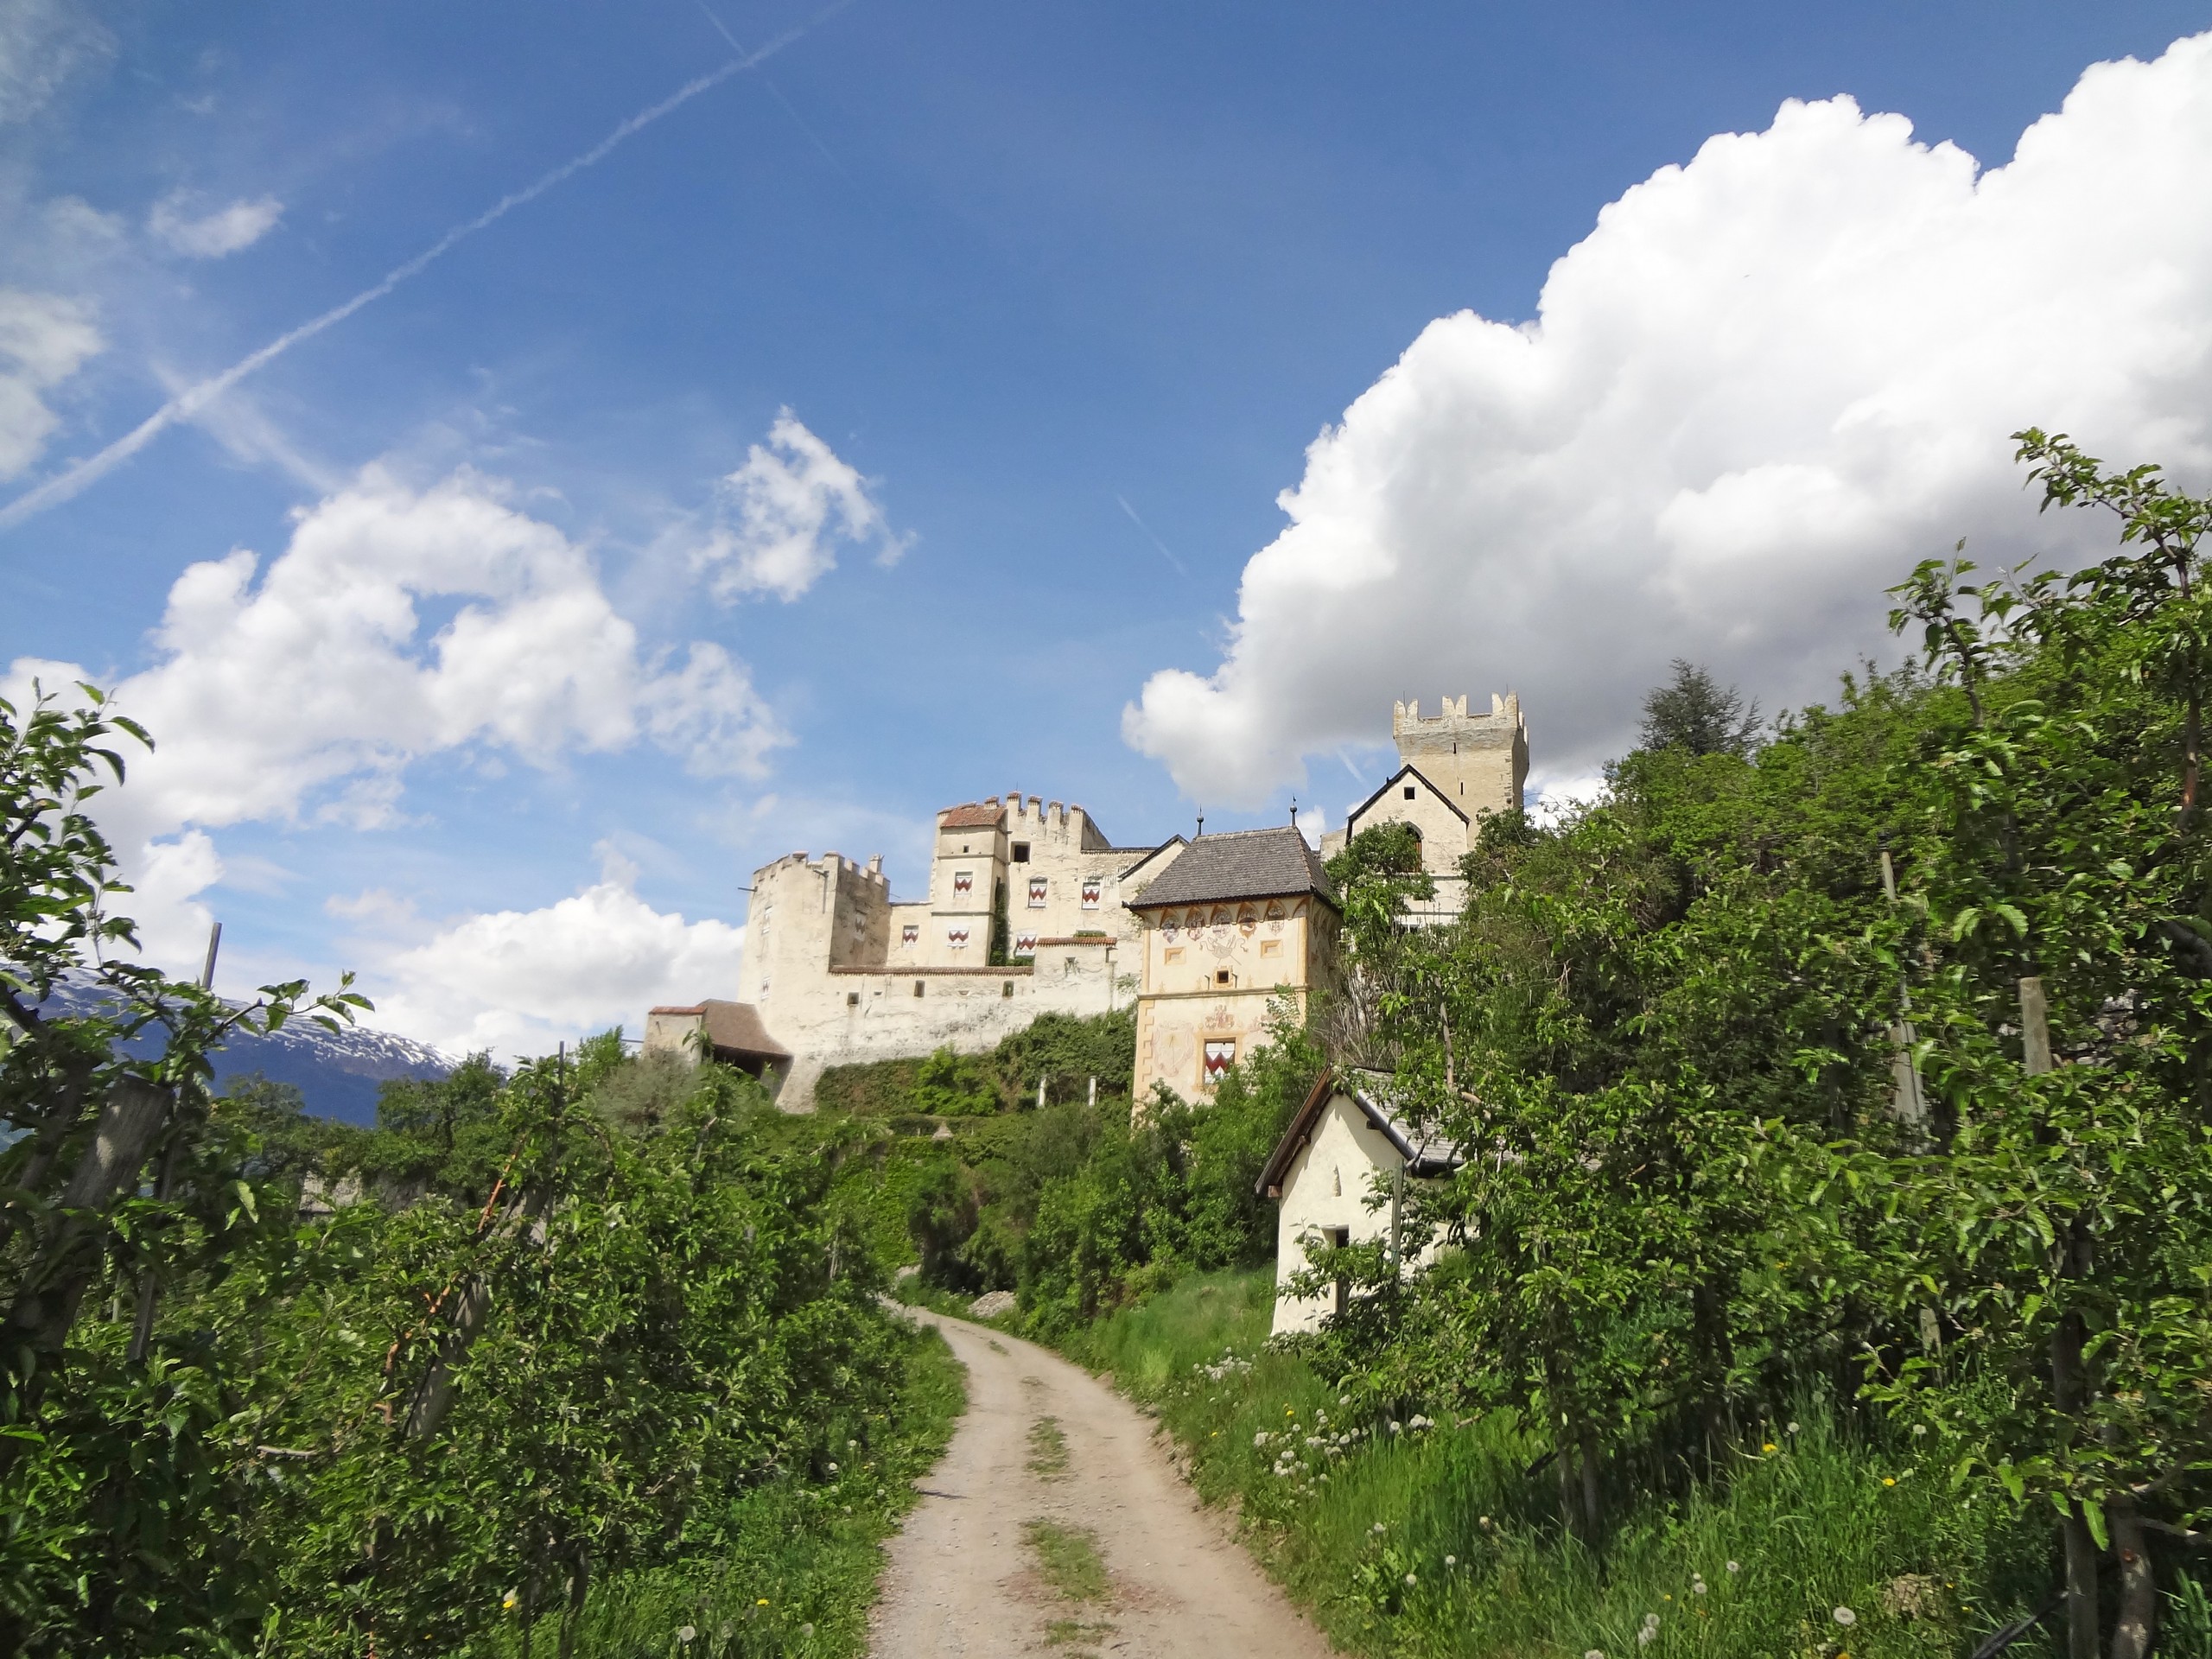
(1480,761)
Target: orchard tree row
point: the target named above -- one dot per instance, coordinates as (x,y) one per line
(1871,1054)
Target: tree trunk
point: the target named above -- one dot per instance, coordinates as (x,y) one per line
(1589,1505)
(55,1281)
(2067,1392)
(1709,1335)
(579,1581)
(2137,1624)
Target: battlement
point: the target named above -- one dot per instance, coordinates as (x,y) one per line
(1501,724)
(836,866)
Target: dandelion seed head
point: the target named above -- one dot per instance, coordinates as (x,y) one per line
(1792,1429)
(1843,1616)
(1735,1567)
(1409,1578)
(687,1636)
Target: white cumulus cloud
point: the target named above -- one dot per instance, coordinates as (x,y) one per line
(397,624)
(518,981)
(1766,385)
(44,338)
(211,235)
(307,688)
(780,516)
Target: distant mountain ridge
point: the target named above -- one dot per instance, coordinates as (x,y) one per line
(338,1072)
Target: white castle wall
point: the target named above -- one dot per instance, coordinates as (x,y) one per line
(840,974)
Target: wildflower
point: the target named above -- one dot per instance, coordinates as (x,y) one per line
(1409,1578)
(1697,1586)
(1792,1429)
(1888,1480)
(1290,1411)
(1595,1653)
(833,1468)
(763,1602)
(807,1630)
(1668,1597)
(1769,1447)
(1396,1428)
(1378,1527)
(1843,1616)
(687,1636)
(1343,1399)
(509,1603)
(1918,1429)
(1483,1522)
(1644,1637)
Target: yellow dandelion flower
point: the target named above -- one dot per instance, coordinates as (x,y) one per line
(1888,1480)
(1769,1447)
(763,1602)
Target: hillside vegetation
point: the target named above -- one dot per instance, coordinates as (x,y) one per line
(1849,1074)
(588,1355)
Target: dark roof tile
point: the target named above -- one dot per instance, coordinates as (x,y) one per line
(1241,864)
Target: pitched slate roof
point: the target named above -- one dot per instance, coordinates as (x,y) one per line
(1243,864)
(974,816)
(1426,1151)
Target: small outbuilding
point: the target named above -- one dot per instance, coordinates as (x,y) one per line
(1323,1172)
(730,1031)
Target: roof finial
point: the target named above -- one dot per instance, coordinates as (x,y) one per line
(1202,823)
(1293,812)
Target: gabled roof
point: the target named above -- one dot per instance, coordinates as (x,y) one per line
(1243,864)
(1146,854)
(1426,1151)
(1391,783)
(976,815)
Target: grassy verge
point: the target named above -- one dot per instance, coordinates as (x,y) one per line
(797,1569)
(1435,1540)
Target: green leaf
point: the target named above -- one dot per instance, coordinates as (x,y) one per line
(2093,1513)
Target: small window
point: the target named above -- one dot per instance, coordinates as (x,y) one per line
(1409,791)
(1022,852)
(1007,989)
(852,999)
(1221,975)
(1174,953)
(918,986)
(1271,947)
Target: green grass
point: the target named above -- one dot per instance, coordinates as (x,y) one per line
(1438,1542)
(798,1571)
(1068,1559)
(1048,1450)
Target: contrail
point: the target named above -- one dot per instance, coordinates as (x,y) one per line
(1155,540)
(195,398)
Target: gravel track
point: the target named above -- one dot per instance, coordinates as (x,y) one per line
(963,1579)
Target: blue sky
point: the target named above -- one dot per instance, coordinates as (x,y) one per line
(1061,296)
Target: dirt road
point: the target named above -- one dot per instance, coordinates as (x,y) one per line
(1055,1526)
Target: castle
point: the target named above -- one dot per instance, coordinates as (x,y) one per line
(1203,935)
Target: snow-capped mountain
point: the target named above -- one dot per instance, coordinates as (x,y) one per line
(338,1071)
